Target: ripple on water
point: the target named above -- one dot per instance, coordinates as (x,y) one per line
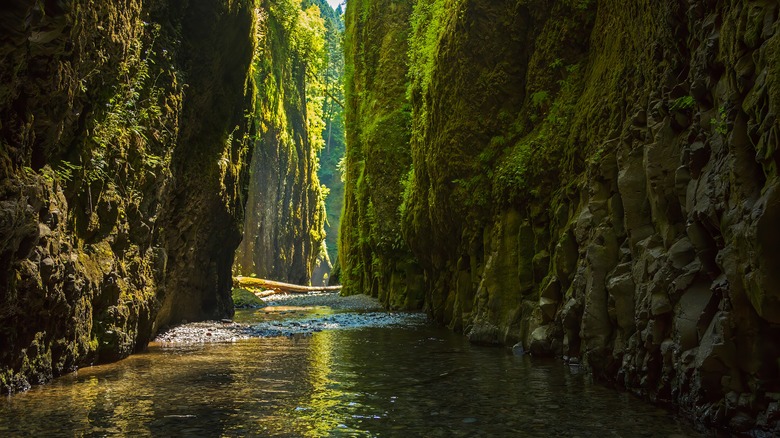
(364,374)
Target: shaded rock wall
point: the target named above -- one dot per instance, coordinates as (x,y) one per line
(373,256)
(599,180)
(333,135)
(123,153)
(283,231)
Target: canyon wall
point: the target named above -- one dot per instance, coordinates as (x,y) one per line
(592,180)
(124,151)
(285,213)
(373,256)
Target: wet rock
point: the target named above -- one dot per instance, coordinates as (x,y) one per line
(518,349)
(542,341)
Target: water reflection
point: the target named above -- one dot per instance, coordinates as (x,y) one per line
(416,381)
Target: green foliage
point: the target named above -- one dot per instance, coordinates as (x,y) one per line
(513,175)
(407,182)
(540,98)
(474,191)
(682,103)
(307,41)
(302,31)
(427,22)
(65,170)
(720,122)
(342,168)
(124,137)
(332,154)
(523,170)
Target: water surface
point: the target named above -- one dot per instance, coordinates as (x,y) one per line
(416,380)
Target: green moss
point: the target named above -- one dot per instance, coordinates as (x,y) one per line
(246,299)
(291,72)
(682,103)
(378,158)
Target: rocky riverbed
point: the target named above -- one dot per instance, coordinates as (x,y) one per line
(292,315)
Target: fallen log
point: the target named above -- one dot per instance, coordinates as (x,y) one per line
(279,287)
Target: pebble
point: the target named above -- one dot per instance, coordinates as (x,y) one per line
(328,299)
(354,314)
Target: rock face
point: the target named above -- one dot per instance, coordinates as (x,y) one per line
(285,213)
(372,254)
(613,198)
(123,154)
(332,154)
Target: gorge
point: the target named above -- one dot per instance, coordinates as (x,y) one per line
(588,180)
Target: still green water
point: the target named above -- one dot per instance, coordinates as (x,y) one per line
(409,381)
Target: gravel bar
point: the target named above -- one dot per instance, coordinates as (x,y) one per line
(354,311)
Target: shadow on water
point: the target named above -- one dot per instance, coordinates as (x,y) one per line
(378,381)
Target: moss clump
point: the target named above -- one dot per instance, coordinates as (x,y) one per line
(245,299)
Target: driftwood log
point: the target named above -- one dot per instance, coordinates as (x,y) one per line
(274,287)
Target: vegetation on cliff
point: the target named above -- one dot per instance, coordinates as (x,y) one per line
(126,136)
(295,73)
(588,179)
(124,143)
(332,154)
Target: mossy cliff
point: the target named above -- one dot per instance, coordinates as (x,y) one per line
(285,215)
(591,179)
(332,154)
(374,258)
(124,144)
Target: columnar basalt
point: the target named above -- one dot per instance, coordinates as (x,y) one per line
(594,180)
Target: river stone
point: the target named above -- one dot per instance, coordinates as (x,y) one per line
(541,341)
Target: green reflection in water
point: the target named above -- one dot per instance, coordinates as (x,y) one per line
(419,381)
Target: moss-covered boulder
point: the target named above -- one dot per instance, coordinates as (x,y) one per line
(246,299)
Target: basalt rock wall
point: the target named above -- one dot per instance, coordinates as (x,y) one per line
(124,150)
(597,180)
(374,258)
(285,213)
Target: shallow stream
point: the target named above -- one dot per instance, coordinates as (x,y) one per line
(395,375)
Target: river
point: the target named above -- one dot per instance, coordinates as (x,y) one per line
(403,378)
